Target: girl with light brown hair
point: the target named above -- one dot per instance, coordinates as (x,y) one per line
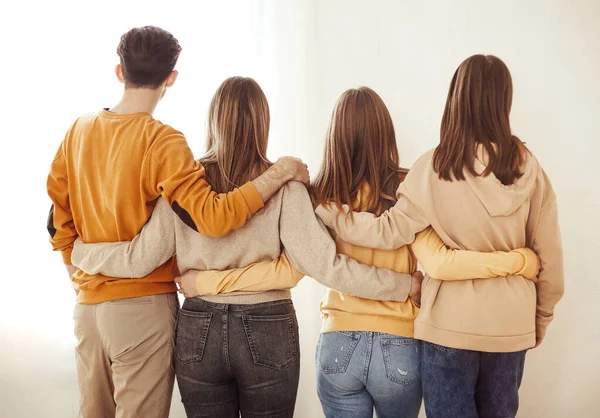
(480,189)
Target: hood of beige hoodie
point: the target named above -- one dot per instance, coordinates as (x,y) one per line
(497,198)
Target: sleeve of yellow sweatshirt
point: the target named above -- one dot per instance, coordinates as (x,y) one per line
(391,230)
(312,251)
(60,220)
(172,172)
(150,249)
(257,277)
(547,243)
(443,263)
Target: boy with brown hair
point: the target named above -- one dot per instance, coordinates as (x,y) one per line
(104,181)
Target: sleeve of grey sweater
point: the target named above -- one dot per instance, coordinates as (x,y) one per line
(137,258)
(312,251)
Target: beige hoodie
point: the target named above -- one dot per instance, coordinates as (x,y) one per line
(479,214)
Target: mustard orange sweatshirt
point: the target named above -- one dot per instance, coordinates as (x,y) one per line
(104,181)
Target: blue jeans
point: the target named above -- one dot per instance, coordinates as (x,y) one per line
(359,371)
(470,384)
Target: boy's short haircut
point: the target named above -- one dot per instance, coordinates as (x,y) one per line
(148,55)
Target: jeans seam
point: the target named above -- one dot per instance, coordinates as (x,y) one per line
(370,343)
(226,341)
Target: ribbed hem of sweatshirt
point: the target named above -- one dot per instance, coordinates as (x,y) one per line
(368,323)
(106,293)
(248,298)
(488,344)
(252,197)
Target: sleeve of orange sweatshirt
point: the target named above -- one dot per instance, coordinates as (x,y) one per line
(148,250)
(547,243)
(444,263)
(171,171)
(393,229)
(257,277)
(60,220)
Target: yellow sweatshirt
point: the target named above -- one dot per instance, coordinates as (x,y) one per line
(104,181)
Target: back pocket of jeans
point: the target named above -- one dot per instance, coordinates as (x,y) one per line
(402,359)
(273,339)
(191,335)
(336,350)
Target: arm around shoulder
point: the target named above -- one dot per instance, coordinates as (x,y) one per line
(172,172)
(391,230)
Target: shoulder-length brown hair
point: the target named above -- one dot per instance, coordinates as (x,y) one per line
(477,114)
(360,147)
(237,134)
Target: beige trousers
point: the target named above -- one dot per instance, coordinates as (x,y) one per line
(124,357)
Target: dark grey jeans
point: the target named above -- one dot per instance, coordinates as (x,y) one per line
(237,358)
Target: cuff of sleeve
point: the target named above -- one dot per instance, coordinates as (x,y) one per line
(252,197)
(66,255)
(530,266)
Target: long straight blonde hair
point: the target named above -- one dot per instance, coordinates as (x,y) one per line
(237,134)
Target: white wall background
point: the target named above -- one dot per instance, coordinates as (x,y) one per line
(56,62)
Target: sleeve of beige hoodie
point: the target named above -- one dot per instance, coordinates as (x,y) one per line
(546,241)
(312,251)
(443,263)
(393,229)
(148,250)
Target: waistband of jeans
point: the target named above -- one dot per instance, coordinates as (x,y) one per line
(239,301)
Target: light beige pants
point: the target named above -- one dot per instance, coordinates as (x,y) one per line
(124,357)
